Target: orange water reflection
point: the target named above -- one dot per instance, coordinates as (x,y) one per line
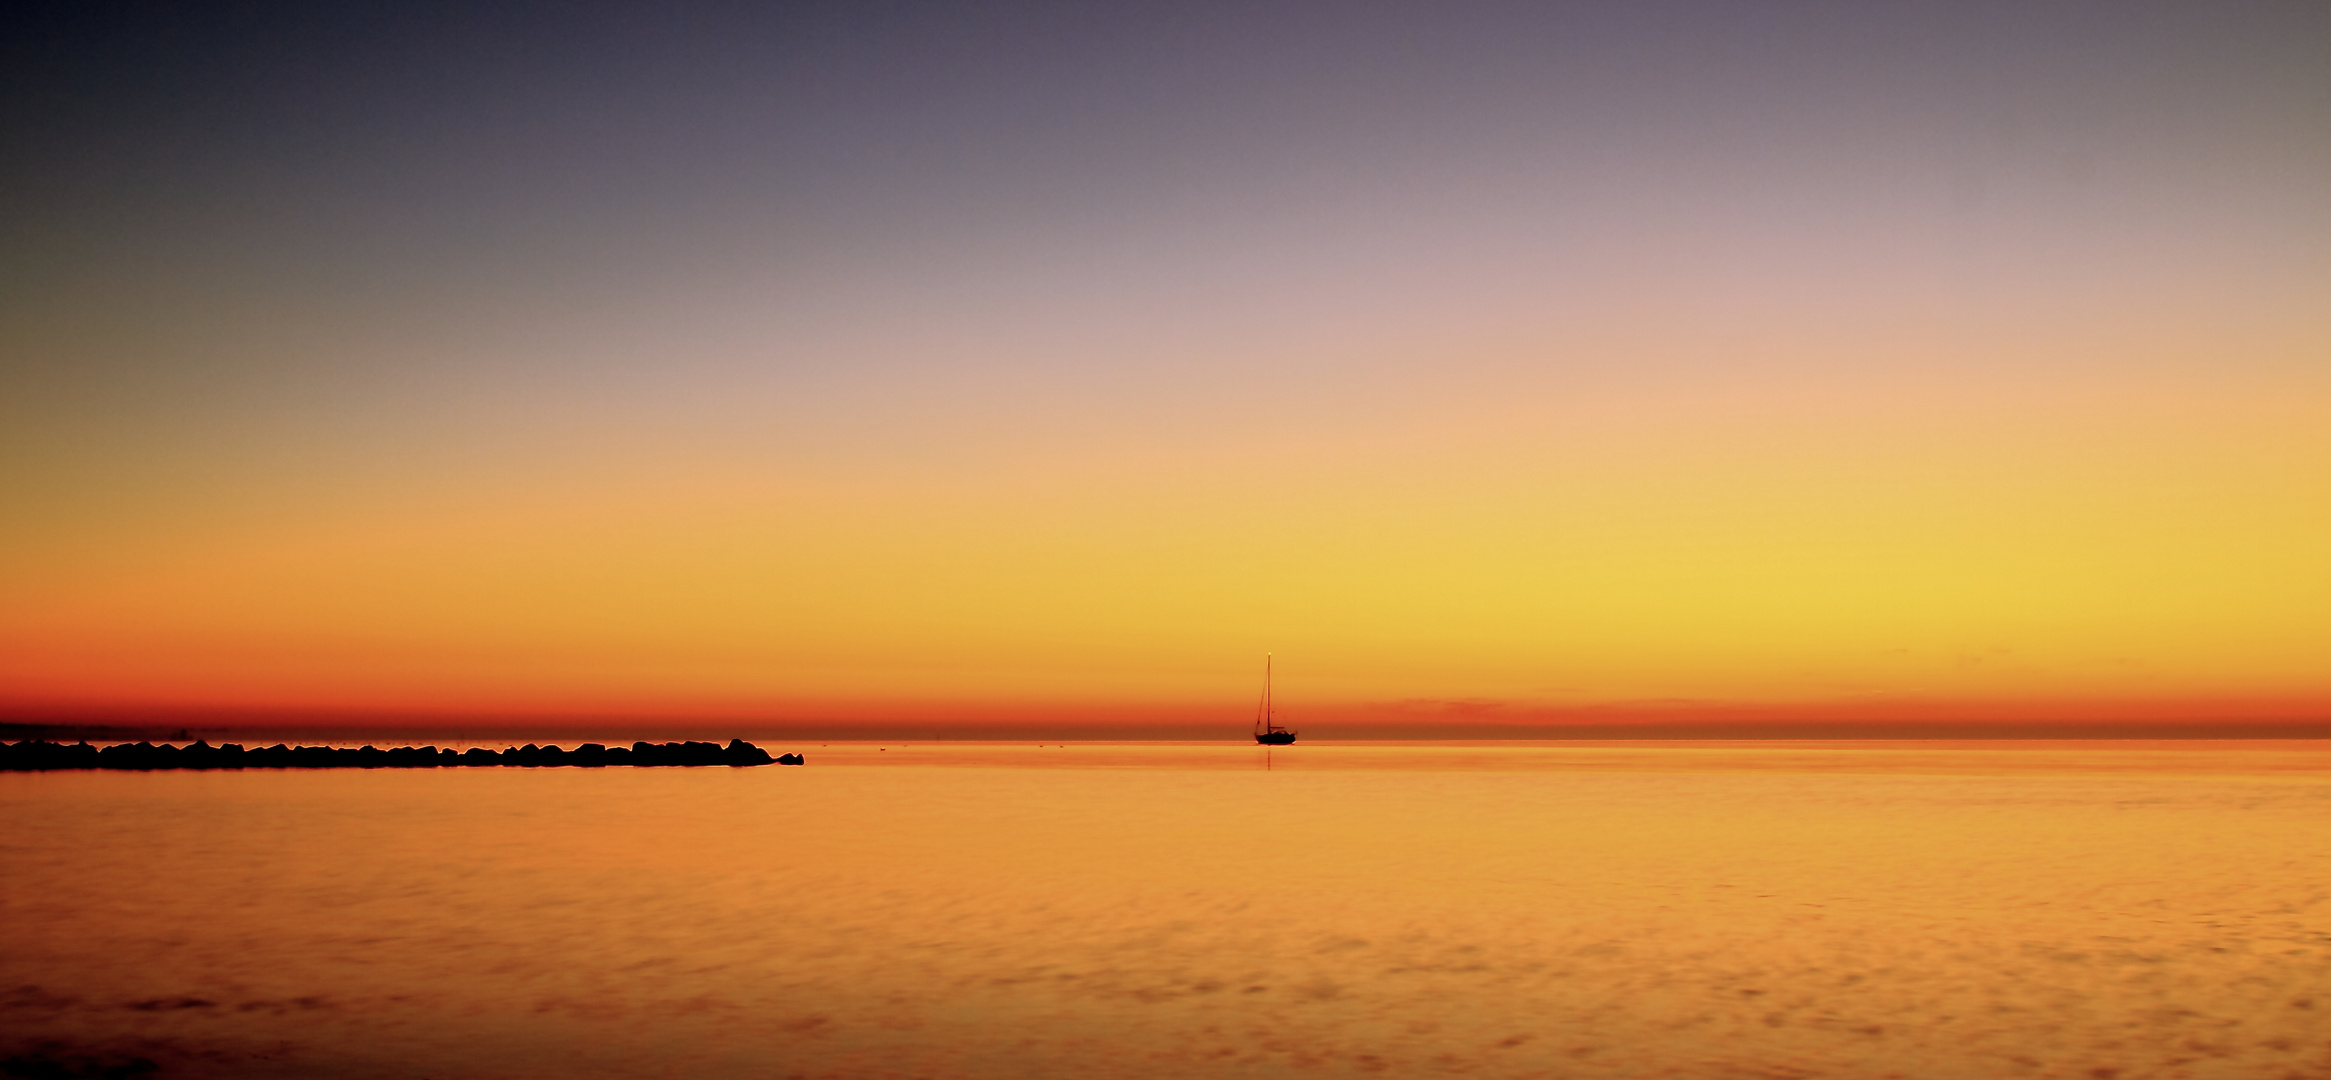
(1930,910)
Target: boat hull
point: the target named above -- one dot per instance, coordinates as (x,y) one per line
(1275,738)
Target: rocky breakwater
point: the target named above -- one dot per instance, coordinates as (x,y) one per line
(34,755)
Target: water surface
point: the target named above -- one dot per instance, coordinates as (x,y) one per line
(1770,910)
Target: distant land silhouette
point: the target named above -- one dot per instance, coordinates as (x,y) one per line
(32,755)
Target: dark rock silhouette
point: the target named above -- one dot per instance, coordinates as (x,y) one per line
(36,755)
(740,752)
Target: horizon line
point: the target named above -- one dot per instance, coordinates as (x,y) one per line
(876,731)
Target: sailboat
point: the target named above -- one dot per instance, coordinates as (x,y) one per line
(1267,729)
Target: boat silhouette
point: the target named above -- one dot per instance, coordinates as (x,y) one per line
(1267,729)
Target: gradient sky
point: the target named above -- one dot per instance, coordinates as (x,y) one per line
(1493,363)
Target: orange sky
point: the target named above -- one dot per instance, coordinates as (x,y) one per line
(1720,387)
(1833,547)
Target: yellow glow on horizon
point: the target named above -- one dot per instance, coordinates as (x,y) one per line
(1570,547)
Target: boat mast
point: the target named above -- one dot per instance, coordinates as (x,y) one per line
(1270,722)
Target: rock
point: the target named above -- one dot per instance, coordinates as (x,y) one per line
(37,755)
(741,753)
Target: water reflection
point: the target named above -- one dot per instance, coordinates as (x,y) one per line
(1929,910)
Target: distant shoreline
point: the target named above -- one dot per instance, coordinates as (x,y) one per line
(41,755)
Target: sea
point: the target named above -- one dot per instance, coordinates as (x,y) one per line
(1960,909)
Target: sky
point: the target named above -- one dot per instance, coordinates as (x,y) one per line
(1487,365)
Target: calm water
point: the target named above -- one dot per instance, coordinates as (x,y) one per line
(1918,910)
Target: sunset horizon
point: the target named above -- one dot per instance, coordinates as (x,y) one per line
(1146,541)
(941,367)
